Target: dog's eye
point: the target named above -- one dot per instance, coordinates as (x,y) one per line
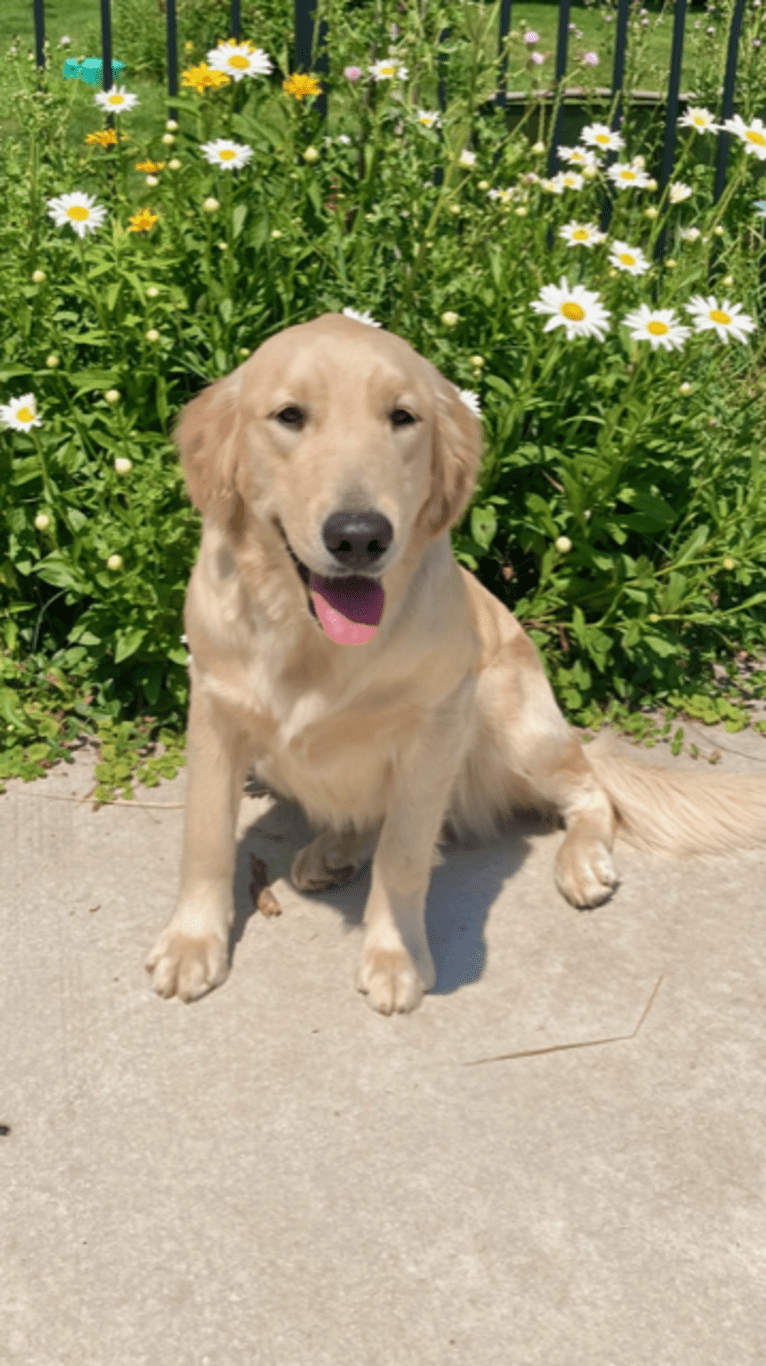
(401,418)
(291,417)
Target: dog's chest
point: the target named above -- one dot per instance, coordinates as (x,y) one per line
(338,764)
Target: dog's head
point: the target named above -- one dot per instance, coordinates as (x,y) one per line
(342,439)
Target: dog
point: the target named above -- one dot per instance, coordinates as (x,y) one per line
(339,649)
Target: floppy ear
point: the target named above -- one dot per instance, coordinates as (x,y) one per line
(208,436)
(455,457)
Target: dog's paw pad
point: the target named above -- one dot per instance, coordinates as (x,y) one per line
(187,966)
(390,980)
(585,873)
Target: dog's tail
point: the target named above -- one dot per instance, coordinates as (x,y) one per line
(681,812)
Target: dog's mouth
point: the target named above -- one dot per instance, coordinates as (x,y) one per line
(348,607)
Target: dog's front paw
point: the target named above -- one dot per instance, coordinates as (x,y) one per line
(186,965)
(584,871)
(389,978)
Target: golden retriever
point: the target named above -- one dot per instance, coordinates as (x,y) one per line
(337,646)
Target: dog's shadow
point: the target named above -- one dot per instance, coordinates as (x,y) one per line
(460,894)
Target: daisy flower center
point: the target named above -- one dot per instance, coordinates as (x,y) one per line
(581,235)
(25,415)
(226,154)
(757,138)
(627,175)
(79,213)
(627,259)
(573,312)
(239,62)
(602,137)
(717,315)
(115,99)
(657,328)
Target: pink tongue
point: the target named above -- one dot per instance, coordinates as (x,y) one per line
(349,609)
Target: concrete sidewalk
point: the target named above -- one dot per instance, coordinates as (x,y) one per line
(278,1175)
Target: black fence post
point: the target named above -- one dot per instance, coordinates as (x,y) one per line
(501,94)
(561,66)
(672,114)
(304,43)
(618,83)
(728,98)
(106,74)
(505,28)
(39,34)
(171,39)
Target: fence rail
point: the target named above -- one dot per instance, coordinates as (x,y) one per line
(304,46)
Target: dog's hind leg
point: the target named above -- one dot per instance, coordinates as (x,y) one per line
(332,859)
(524,755)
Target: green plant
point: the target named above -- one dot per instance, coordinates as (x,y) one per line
(620,507)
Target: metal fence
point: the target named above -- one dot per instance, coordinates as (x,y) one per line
(304,40)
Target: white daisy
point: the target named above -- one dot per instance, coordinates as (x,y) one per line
(471,400)
(726,320)
(361,317)
(577,309)
(679,192)
(20,413)
(658,326)
(505,196)
(232,156)
(238,60)
(388,70)
(577,156)
(601,136)
(115,101)
(752,134)
(699,119)
(581,234)
(565,180)
(625,173)
(630,259)
(79,210)
(690,234)
(427,119)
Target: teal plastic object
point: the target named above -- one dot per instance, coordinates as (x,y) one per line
(90,70)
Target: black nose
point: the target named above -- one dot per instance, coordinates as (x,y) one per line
(357,539)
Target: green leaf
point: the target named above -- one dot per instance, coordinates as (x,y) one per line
(695,542)
(314,195)
(11,712)
(576,495)
(752,602)
(238,219)
(128,642)
(674,592)
(85,380)
(55,570)
(541,514)
(162,398)
(660,646)
(483,526)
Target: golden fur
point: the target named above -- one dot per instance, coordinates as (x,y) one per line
(443,723)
